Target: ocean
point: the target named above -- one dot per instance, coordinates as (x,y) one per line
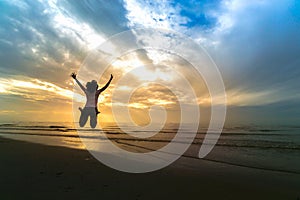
(275,148)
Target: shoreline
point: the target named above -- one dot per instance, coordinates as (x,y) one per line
(32,171)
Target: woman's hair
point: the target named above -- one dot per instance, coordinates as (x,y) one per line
(92,86)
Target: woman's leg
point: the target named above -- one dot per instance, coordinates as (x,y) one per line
(83,118)
(93,119)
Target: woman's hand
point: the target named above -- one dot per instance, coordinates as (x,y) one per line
(73,75)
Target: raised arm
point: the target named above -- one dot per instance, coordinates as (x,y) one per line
(73,75)
(106,85)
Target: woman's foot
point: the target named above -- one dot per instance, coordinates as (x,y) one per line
(97,112)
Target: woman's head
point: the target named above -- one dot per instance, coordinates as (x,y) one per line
(92,86)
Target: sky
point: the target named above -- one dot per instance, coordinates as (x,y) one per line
(255,45)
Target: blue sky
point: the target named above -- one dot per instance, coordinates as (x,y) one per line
(255,44)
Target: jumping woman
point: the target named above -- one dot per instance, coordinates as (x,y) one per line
(92,93)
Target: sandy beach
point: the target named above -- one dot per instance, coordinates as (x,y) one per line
(36,171)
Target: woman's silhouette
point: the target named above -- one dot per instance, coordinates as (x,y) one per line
(92,93)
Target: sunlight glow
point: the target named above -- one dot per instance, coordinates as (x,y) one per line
(138,105)
(128,64)
(124,87)
(71,27)
(3,88)
(160,102)
(24,88)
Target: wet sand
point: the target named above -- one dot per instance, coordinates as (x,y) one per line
(35,171)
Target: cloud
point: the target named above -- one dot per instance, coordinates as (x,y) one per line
(33,89)
(39,38)
(107,17)
(174,15)
(46,41)
(158,14)
(32,45)
(255,44)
